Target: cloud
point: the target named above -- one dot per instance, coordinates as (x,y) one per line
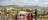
(36,0)
(24,2)
(46,3)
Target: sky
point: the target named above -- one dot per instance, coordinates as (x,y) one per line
(42,3)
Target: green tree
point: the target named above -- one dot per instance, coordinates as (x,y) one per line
(28,10)
(8,15)
(0,13)
(21,9)
(47,13)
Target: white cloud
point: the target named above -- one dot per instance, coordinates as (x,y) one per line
(46,0)
(25,2)
(46,3)
(36,0)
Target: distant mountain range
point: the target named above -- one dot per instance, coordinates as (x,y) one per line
(23,6)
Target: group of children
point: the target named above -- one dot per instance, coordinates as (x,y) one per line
(28,16)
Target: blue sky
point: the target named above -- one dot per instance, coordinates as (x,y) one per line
(25,2)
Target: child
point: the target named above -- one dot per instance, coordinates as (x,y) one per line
(29,17)
(21,17)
